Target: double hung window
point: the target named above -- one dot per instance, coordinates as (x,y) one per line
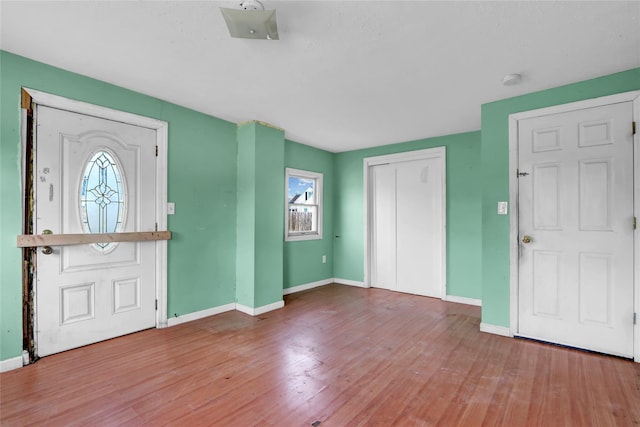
(303,220)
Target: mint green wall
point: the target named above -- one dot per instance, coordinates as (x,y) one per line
(463,210)
(246,217)
(202,183)
(260,225)
(270,221)
(303,259)
(495,178)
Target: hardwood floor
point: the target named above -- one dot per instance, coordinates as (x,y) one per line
(340,355)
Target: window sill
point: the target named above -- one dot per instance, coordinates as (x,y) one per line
(297,237)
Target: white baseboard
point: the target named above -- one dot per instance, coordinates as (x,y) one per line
(349,282)
(172,321)
(495,329)
(306,286)
(463,300)
(259,310)
(11,364)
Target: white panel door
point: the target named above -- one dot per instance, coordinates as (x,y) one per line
(419,227)
(383,201)
(575,222)
(93,176)
(407,230)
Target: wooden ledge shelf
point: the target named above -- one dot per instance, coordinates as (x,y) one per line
(36,240)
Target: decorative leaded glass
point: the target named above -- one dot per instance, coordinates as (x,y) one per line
(102,197)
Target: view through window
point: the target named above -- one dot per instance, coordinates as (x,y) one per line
(304,209)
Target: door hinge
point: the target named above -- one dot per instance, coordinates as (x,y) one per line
(156,151)
(519,174)
(634,222)
(634,318)
(157,226)
(156,304)
(633,128)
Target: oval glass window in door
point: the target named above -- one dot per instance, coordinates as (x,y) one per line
(102,197)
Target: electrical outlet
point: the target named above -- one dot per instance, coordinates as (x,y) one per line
(502,208)
(171,208)
(324,259)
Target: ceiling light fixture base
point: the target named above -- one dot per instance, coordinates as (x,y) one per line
(251,21)
(251,5)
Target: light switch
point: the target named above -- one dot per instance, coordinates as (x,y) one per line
(171,208)
(502,208)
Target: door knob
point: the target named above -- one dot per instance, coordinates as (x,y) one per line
(526,239)
(47,250)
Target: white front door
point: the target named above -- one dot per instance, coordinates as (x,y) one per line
(93,175)
(575,225)
(407,222)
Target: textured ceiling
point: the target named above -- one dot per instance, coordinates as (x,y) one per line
(344,74)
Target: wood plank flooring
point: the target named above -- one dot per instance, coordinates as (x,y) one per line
(340,355)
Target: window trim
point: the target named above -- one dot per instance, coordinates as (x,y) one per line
(318,177)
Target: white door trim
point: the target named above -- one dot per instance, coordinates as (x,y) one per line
(162,140)
(368,162)
(513,196)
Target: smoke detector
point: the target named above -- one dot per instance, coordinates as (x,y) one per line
(511,79)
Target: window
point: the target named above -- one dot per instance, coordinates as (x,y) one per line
(102,198)
(303,220)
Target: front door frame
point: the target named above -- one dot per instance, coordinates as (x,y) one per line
(38,98)
(514,243)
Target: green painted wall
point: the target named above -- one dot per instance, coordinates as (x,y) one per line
(202,183)
(303,259)
(260,225)
(463,210)
(495,178)
(270,221)
(246,218)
